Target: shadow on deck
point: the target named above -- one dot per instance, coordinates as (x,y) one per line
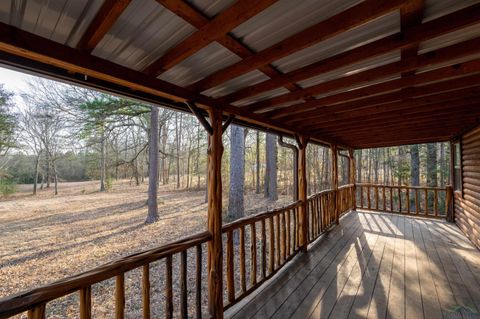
(376,265)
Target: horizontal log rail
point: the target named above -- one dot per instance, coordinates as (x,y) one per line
(35,300)
(413,200)
(321,209)
(256,247)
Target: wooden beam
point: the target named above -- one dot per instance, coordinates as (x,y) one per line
(434,28)
(223,23)
(348,19)
(198,19)
(335,181)
(196,111)
(214,220)
(302,191)
(370,105)
(108,14)
(445,73)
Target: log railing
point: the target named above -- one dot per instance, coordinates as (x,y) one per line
(36,300)
(413,200)
(256,247)
(321,209)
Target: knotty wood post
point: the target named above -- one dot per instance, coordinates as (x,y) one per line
(449,208)
(302,142)
(335,182)
(351,158)
(215,255)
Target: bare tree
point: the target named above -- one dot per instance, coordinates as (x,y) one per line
(270,189)
(153,168)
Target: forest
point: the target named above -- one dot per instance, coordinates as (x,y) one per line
(64,133)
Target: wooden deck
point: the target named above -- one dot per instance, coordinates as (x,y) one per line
(376,265)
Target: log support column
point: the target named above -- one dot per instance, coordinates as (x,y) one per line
(302,142)
(335,181)
(449,197)
(352,168)
(215,254)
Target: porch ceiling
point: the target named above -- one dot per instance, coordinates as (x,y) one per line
(356,73)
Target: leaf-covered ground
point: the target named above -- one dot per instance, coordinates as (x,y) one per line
(45,238)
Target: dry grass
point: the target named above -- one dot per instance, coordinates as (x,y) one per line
(45,238)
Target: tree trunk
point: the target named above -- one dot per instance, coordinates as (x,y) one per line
(270,189)
(257,180)
(102,161)
(35,181)
(178,141)
(432,165)
(55,177)
(47,168)
(359,166)
(152,202)
(237,173)
(414,166)
(442,164)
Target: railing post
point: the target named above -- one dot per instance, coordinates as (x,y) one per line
(351,158)
(215,256)
(302,191)
(335,181)
(449,208)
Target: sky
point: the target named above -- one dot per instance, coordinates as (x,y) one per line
(15,82)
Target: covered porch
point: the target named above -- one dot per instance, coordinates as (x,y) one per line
(346,75)
(376,265)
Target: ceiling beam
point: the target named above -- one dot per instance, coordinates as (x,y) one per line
(223,23)
(436,92)
(198,19)
(440,56)
(434,28)
(108,14)
(348,19)
(441,74)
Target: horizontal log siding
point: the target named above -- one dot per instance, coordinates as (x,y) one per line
(467,206)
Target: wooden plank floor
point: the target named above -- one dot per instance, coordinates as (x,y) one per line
(376,265)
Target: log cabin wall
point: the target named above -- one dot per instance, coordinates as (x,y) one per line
(467,199)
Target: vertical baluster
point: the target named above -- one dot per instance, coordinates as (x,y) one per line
(360,189)
(408,199)
(391,198)
(271,251)
(426,201)
(284,237)
(120,296)
(278,240)
(368,197)
(86,303)
(264,250)
(230,270)
(376,198)
(198,283)
(288,231)
(38,312)
(295,228)
(417,204)
(435,202)
(243,279)
(399,200)
(311,223)
(183,285)
(146,291)
(168,288)
(384,199)
(253,255)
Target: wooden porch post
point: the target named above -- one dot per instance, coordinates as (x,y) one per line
(215,257)
(335,180)
(449,196)
(302,142)
(351,159)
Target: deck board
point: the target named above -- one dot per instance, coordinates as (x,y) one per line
(376,265)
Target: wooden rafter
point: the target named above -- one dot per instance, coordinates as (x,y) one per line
(348,19)
(433,28)
(362,78)
(196,18)
(329,102)
(218,27)
(103,21)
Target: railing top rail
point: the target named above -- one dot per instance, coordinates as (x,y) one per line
(346,186)
(257,217)
(401,186)
(320,194)
(23,301)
